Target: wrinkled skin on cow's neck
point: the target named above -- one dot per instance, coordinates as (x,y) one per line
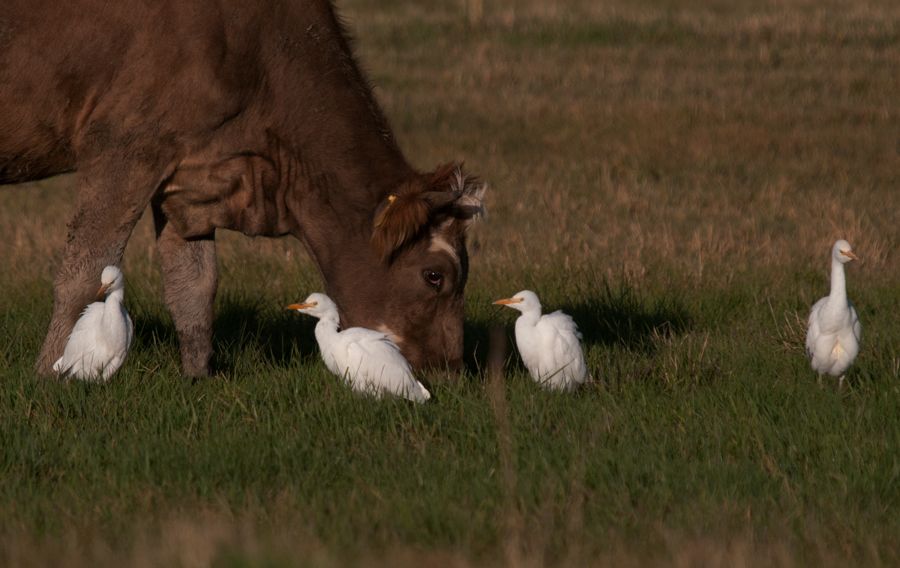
(227,115)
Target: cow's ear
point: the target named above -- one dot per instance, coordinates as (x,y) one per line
(398,219)
(402,216)
(469,202)
(455,193)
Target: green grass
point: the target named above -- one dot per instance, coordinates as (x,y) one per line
(671,173)
(702,424)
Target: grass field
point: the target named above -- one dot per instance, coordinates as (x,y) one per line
(670,172)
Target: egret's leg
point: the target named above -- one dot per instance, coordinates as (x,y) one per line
(841,382)
(190,278)
(112,194)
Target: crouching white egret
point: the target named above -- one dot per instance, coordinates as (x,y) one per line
(832,340)
(102,335)
(367,359)
(550,345)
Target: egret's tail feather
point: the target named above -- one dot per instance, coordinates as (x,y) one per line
(420,393)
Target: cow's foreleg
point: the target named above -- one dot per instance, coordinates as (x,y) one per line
(111,198)
(189,278)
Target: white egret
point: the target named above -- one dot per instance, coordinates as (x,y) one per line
(367,359)
(550,345)
(832,340)
(102,335)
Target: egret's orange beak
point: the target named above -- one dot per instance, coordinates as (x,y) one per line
(849,254)
(507,301)
(302,306)
(101,293)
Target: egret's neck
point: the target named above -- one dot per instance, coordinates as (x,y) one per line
(326,329)
(113,309)
(116,296)
(530,316)
(838,294)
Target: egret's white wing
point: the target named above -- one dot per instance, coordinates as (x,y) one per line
(561,322)
(79,354)
(129,336)
(854,319)
(377,363)
(363,345)
(116,340)
(814,330)
(560,349)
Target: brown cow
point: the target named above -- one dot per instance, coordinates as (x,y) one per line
(225,114)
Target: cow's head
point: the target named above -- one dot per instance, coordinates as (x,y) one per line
(413,287)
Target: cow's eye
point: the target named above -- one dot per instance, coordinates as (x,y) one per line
(433,279)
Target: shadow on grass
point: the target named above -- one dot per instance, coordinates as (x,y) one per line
(151,329)
(476,346)
(620,317)
(280,337)
(241,326)
(612,317)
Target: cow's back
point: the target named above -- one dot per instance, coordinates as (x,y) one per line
(75,74)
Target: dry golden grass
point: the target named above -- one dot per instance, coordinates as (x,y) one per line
(715,140)
(711,138)
(205,537)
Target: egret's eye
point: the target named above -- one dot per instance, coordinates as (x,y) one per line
(434,279)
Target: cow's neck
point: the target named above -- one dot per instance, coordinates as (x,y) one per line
(334,193)
(343,157)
